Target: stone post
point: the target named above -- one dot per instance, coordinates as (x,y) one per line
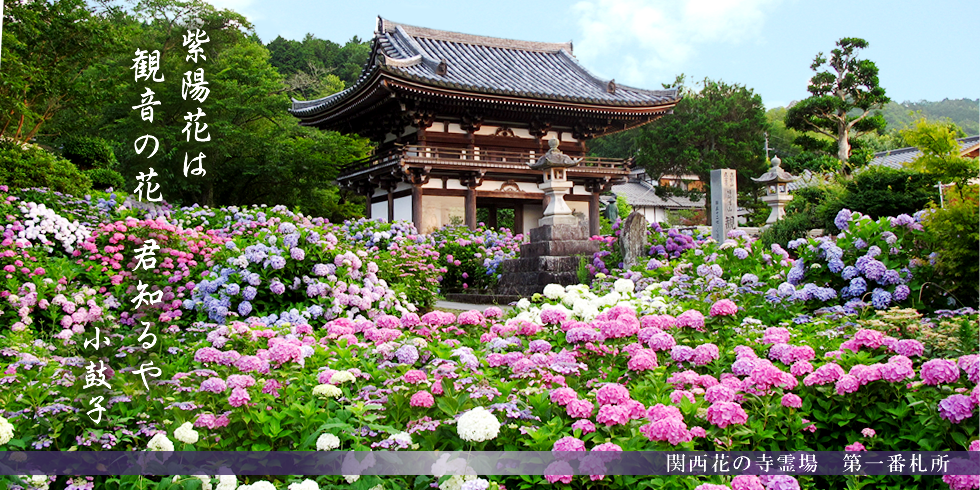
(724,203)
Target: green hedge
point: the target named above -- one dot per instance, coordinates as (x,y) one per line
(26,165)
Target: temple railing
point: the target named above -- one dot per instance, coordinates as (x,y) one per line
(476,156)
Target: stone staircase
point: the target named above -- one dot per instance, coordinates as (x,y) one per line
(552,257)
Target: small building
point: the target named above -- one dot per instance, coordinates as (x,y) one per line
(640,194)
(458,118)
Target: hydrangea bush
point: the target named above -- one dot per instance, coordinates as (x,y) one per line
(721,347)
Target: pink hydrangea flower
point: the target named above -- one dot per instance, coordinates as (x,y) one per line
(670,429)
(704,354)
(937,371)
(971,365)
(662,322)
(579,409)
(799,368)
(585,425)
(559,471)
(677,395)
(698,432)
(691,318)
(613,415)
(723,307)
(847,384)
(719,393)
(724,414)
(612,394)
(642,360)
(415,376)
(569,443)
(956,408)
(857,446)
(898,368)
(422,399)
(790,400)
(711,486)
(909,347)
(775,335)
(871,339)
(747,482)
(868,432)
(238,397)
(562,396)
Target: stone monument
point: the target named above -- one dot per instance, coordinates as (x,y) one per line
(551,256)
(724,203)
(633,239)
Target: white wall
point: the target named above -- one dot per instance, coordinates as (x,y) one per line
(403,209)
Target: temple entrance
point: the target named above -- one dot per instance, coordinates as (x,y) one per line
(496,217)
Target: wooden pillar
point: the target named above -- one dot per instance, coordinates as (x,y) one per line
(594,214)
(391,202)
(470,207)
(493,217)
(369,193)
(518,219)
(417,206)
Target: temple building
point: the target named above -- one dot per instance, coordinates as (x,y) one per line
(457,120)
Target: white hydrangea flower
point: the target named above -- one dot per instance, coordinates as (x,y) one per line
(160,442)
(205,481)
(327,391)
(227,482)
(456,482)
(554,291)
(402,437)
(327,442)
(523,304)
(352,478)
(624,286)
(186,433)
(304,485)
(477,425)
(377,487)
(260,485)
(6,431)
(341,377)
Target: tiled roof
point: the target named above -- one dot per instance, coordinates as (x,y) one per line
(642,194)
(897,159)
(901,157)
(491,66)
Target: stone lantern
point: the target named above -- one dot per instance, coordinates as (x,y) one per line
(777,194)
(556,184)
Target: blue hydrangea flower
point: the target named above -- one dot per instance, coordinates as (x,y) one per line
(842,219)
(901,292)
(244,308)
(857,287)
(850,272)
(835,265)
(880,299)
(277,262)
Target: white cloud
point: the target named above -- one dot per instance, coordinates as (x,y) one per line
(659,36)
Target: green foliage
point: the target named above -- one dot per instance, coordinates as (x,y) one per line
(623,206)
(89,153)
(47,49)
(718,126)
(104,178)
(320,58)
(965,113)
(940,152)
(882,191)
(953,233)
(791,227)
(842,97)
(27,165)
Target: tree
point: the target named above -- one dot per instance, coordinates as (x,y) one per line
(842,98)
(940,152)
(47,47)
(720,126)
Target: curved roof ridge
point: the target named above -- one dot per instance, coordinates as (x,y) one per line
(388,26)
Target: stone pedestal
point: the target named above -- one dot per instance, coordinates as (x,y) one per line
(552,257)
(778,204)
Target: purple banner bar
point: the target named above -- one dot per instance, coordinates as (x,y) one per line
(92,463)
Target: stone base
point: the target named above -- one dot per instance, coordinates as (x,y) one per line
(558,219)
(552,257)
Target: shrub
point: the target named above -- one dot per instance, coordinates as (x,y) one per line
(89,153)
(27,165)
(953,233)
(883,191)
(104,178)
(789,228)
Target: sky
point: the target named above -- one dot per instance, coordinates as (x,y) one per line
(923,50)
